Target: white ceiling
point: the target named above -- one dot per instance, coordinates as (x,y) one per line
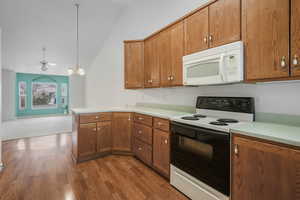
(28,25)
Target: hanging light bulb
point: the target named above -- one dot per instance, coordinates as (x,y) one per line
(78,70)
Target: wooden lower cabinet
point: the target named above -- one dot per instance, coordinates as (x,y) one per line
(122,131)
(161,152)
(87,139)
(264,171)
(104,137)
(143,151)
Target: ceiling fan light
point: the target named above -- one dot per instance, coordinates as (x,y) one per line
(70,71)
(44,68)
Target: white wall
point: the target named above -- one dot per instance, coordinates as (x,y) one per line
(77,91)
(1,131)
(8,95)
(104,83)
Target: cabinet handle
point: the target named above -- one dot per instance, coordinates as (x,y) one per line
(210,38)
(140,118)
(236,150)
(283,62)
(150,81)
(205,39)
(296,60)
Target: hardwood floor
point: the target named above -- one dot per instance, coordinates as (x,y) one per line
(42,169)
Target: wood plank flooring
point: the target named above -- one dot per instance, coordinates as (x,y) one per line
(41,168)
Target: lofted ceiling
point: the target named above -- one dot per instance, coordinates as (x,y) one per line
(28,25)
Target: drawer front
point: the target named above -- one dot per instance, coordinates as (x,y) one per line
(89,118)
(105,117)
(162,124)
(97,117)
(143,133)
(143,119)
(143,151)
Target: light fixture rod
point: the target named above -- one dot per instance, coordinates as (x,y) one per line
(77,39)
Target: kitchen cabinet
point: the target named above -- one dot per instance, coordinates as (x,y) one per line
(196,32)
(121,131)
(134,64)
(262,170)
(224,22)
(161,151)
(266,36)
(143,151)
(171,50)
(151,67)
(87,140)
(295,38)
(104,137)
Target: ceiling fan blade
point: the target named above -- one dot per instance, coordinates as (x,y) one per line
(52,64)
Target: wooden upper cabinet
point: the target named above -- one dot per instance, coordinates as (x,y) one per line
(152,70)
(121,132)
(196,32)
(263,171)
(161,151)
(171,50)
(295,38)
(224,22)
(266,38)
(87,140)
(134,64)
(104,138)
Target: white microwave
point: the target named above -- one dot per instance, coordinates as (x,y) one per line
(220,65)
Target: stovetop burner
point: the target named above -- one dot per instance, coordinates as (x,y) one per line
(217,123)
(190,118)
(199,116)
(228,120)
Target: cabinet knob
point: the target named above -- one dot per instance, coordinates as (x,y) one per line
(169,78)
(159,124)
(140,148)
(129,119)
(172,78)
(140,132)
(210,38)
(296,60)
(236,150)
(283,62)
(95,129)
(166,141)
(140,118)
(205,40)
(150,81)
(99,129)
(97,117)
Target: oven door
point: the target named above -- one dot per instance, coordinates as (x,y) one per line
(203,154)
(204,71)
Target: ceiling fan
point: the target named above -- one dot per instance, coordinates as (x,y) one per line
(45,64)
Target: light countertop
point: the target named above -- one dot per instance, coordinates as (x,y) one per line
(156,112)
(269,131)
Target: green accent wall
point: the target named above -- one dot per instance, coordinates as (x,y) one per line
(31,78)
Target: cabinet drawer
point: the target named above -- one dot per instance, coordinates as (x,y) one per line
(97,117)
(143,119)
(143,151)
(143,133)
(162,124)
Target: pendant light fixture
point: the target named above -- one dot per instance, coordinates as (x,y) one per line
(77,70)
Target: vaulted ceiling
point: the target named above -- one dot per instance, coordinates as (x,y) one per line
(28,25)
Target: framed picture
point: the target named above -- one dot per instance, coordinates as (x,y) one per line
(44,95)
(22,88)
(64,89)
(22,102)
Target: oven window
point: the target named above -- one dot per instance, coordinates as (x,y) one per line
(196,148)
(203,70)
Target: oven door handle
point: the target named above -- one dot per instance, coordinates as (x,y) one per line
(203,131)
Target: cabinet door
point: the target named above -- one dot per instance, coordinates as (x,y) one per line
(161,152)
(104,137)
(87,139)
(224,22)
(295,40)
(177,51)
(165,59)
(152,70)
(134,64)
(266,37)
(196,32)
(121,132)
(264,171)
